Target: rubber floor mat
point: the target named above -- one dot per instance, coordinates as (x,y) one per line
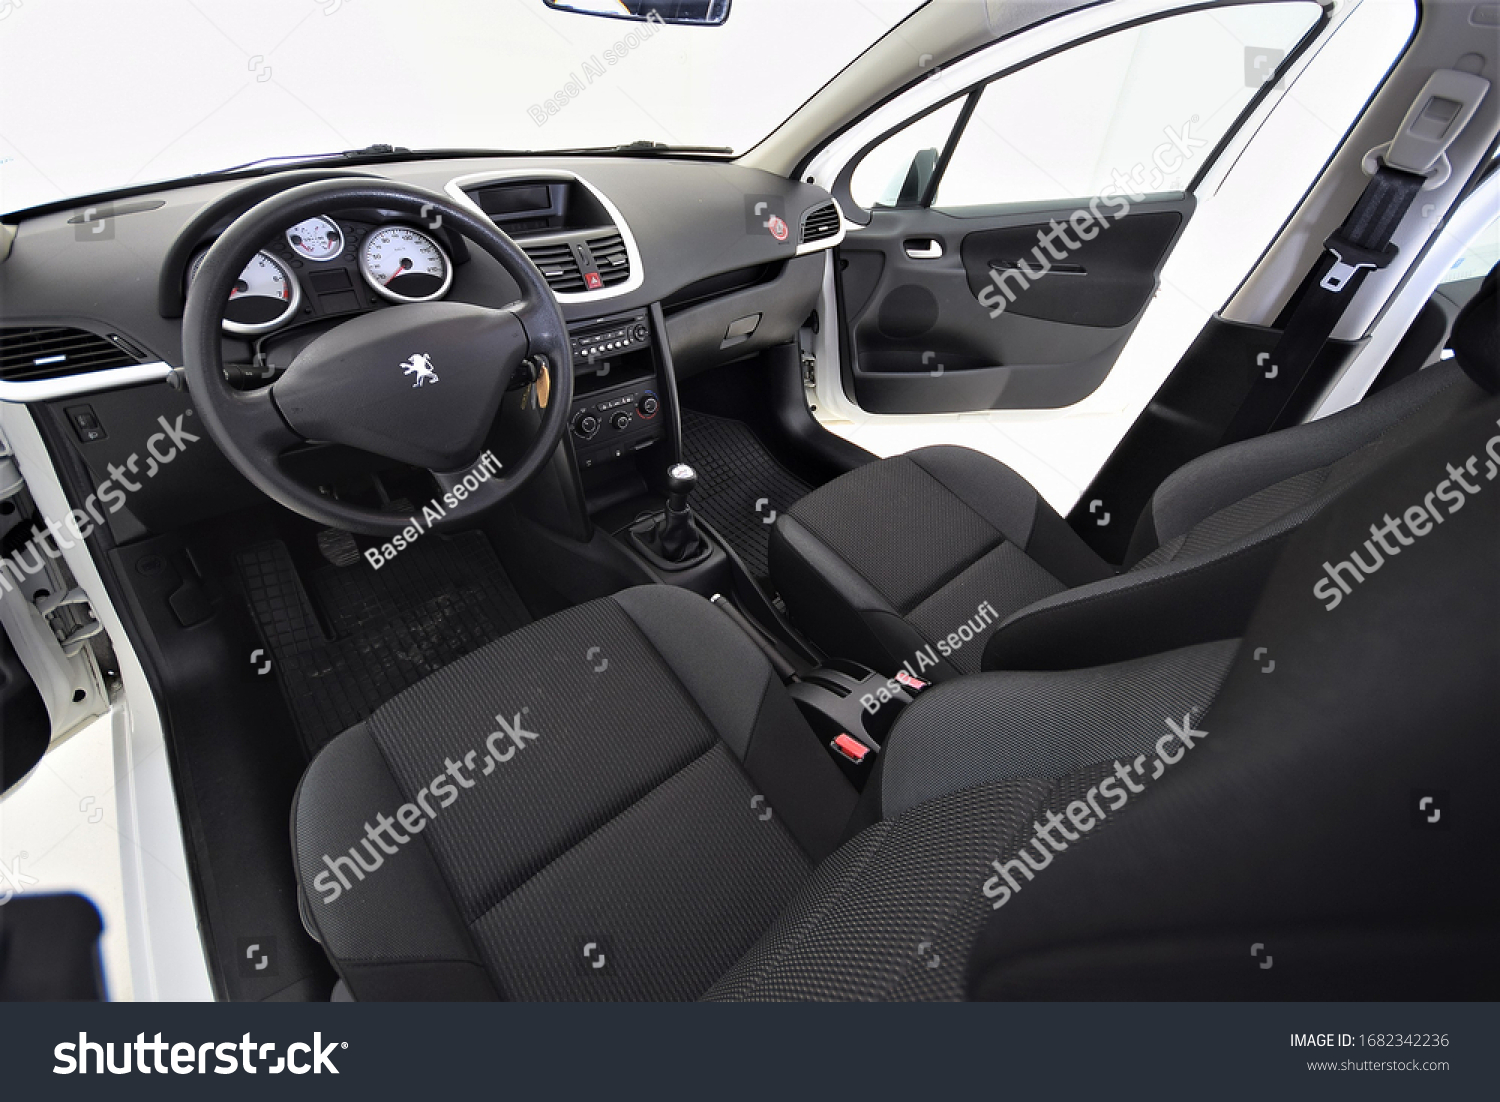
(741,487)
(438,600)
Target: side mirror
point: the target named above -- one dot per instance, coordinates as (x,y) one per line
(686,13)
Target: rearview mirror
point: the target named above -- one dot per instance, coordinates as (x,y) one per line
(688,13)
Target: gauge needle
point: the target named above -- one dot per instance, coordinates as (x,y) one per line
(400,269)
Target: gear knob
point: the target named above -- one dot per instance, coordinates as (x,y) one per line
(681,479)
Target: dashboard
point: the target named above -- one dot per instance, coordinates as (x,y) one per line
(664,268)
(611,235)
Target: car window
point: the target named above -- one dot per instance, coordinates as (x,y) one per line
(1135,111)
(1482,254)
(896,163)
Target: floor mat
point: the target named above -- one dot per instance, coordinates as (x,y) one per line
(437,601)
(741,487)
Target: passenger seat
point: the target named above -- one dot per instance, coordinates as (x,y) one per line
(946,562)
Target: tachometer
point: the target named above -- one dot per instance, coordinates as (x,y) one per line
(316,239)
(262,298)
(405,264)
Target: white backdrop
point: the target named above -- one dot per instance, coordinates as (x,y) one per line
(101,93)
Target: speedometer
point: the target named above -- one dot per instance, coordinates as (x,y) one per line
(405,264)
(263,297)
(318,239)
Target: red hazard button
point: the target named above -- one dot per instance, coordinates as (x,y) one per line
(850,748)
(593,280)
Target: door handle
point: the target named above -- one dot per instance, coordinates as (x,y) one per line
(924,248)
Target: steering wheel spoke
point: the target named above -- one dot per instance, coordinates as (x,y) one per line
(263,427)
(468,493)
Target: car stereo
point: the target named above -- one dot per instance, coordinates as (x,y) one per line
(616,401)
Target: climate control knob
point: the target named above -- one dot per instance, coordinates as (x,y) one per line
(585,425)
(621,420)
(649,405)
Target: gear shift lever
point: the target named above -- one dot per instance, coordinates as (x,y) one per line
(674,539)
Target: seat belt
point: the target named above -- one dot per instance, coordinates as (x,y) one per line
(1360,245)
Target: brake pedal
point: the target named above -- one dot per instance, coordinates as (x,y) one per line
(338,546)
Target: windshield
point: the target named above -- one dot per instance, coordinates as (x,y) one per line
(98,94)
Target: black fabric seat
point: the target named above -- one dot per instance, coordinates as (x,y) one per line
(660,797)
(946,561)
(622,802)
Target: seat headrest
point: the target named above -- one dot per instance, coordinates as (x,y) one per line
(1476,335)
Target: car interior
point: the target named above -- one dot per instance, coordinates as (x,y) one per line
(520,631)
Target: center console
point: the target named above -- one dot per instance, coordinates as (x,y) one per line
(617,403)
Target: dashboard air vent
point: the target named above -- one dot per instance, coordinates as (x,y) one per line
(820,223)
(55,352)
(611,258)
(558,265)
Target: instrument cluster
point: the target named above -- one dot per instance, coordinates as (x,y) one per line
(325,265)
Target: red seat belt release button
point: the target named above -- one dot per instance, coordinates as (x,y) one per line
(852,749)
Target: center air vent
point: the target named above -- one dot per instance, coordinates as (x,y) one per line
(54,353)
(558,265)
(569,263)
(610,258)
(820,223)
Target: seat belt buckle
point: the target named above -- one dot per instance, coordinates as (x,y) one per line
(1349,259)
(850,749)
(910,682)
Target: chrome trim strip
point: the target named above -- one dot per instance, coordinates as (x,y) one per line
(455,190)
(88,382)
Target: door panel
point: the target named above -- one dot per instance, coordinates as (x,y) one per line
(944,319)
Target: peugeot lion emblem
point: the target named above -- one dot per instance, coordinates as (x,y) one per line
(420,365)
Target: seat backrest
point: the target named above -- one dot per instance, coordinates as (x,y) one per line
(1191,503)
(1223,519)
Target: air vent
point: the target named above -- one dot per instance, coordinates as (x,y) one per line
(558,265)
(54,353)
(820,223)
(610,258)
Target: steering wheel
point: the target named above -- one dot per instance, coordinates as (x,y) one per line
(354,384)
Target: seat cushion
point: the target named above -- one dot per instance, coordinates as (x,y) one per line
(593,788)
(914,559)
(969,769)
